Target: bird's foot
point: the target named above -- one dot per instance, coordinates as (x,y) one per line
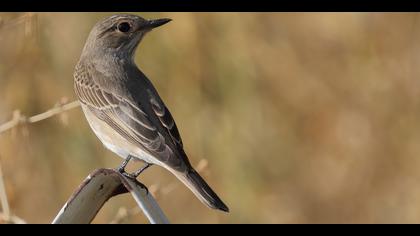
(134,178)
(121,168)
(128,175)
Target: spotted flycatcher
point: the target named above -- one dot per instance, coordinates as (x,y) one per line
(124,109)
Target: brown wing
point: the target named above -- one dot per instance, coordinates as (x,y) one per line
(166,120)
(127,118)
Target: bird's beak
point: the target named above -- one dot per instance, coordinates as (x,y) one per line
(158,22)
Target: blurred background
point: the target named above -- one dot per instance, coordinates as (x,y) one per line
(290,117)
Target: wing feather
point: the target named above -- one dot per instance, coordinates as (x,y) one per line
(130,120)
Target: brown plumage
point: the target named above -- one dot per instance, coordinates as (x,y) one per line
(124,109)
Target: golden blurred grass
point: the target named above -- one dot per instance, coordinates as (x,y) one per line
(302,117)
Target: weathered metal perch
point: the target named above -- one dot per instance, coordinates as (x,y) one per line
(99,187)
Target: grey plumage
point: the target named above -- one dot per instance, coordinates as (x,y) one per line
(124,109)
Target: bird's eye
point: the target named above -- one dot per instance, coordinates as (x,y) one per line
(124,27)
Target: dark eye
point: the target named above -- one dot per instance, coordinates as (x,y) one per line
(124,27)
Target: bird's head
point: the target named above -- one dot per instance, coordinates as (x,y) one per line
(119,34)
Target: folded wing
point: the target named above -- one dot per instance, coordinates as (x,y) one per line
(128,119)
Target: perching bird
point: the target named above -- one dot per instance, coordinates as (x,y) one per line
(124,109)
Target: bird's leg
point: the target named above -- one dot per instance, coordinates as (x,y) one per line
(138,172)
(134,175)
(121,168)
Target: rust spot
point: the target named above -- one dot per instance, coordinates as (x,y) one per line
(84,183)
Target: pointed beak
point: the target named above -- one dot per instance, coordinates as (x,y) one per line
(158,22)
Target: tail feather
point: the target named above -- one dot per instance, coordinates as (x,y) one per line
(202,190)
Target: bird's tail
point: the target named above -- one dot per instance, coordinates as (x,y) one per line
(202,190)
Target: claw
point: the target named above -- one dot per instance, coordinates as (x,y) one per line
(121,168)
(143,186)
(134,178)
(130,176)
(134,175)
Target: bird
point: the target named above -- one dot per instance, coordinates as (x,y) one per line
(124,109)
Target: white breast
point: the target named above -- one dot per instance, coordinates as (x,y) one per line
(114,141)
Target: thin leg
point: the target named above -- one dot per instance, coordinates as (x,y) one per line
(138,172)
(121,168)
